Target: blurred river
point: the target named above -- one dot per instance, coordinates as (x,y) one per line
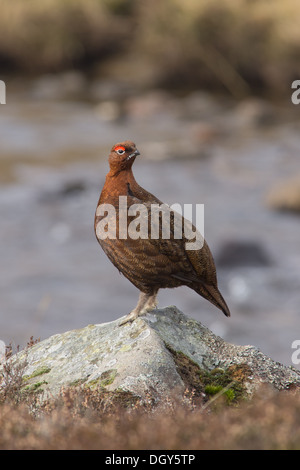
(194,149)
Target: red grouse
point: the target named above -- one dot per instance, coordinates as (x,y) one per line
(149,262)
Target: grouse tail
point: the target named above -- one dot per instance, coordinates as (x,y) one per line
(213,295)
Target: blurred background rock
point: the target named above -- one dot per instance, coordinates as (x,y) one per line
(204,89)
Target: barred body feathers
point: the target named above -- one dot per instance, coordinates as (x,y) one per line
(151,263)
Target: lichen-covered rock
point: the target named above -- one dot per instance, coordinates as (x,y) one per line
(159,356)
(210,351)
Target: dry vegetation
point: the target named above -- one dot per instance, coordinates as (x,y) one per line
(86,421)
(236,45)
(82,418)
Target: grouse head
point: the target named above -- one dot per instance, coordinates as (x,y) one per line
(122,156)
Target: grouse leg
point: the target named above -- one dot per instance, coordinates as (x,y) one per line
(151,303)
(146,303)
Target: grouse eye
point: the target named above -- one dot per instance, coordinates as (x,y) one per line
(120,150)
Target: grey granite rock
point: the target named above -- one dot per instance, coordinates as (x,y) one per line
(139,358)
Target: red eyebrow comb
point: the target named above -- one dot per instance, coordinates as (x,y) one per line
(119,147)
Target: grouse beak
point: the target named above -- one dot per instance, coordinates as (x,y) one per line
(134,154)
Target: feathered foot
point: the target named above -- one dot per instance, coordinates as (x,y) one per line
(146,303)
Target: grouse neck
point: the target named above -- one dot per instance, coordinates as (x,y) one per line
(117,177)
(118,182)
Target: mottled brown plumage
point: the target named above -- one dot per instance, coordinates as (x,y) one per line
(151,264)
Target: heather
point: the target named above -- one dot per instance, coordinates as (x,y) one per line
(82,419)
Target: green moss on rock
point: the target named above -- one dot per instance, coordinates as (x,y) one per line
(205,384)
(39,371)
(34,386)
(108,377)
(231,380)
